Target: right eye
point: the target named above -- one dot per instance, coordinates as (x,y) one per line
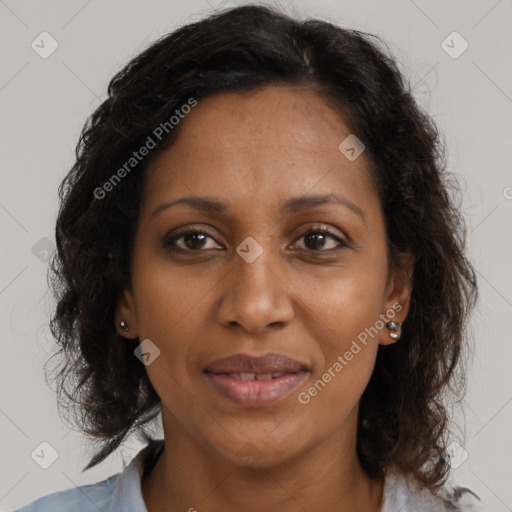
(190,240)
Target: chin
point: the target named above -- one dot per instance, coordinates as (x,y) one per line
(261,451)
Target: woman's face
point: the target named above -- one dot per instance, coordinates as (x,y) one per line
(262,170)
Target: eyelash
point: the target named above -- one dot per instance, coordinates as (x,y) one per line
(169,241)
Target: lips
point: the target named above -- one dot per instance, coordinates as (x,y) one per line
(255,376)
(256,381)
(266,364)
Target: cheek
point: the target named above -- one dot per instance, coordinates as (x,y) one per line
(348,349)
(344,320)
(170,307)
(346,301)
(166,297)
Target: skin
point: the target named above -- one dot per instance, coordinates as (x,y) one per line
(253,151)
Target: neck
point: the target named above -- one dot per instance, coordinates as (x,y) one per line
(325,477)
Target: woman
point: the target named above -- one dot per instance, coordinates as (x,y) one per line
(257,241)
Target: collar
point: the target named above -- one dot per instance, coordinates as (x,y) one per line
(128,492)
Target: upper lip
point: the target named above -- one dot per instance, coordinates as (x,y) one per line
(264,364)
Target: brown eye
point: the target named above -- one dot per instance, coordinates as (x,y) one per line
(192,240)
(321,240)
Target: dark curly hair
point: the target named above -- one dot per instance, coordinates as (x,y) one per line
(404,411)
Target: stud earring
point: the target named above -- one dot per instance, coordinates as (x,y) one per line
(124,326)
(395,329)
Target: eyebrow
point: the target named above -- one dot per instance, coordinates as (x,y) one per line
(292,205)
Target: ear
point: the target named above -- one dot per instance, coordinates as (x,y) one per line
(125,310)
(397,298)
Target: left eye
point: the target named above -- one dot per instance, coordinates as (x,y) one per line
(317,239)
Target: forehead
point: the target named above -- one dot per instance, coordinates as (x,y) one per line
(257,114)
(259,147)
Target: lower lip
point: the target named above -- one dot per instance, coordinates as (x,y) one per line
(256,393)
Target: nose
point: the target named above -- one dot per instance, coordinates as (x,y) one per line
(255,297)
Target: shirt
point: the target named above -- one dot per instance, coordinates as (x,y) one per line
(122,493)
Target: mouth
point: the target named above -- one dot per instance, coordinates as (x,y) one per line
(254,376)
(256,381)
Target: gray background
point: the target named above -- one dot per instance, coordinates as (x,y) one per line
(44,103)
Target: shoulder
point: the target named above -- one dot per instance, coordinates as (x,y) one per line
(403,494)
(85,498)
(117,493)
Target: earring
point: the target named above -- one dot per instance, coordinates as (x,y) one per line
(124,326)
(395,329)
